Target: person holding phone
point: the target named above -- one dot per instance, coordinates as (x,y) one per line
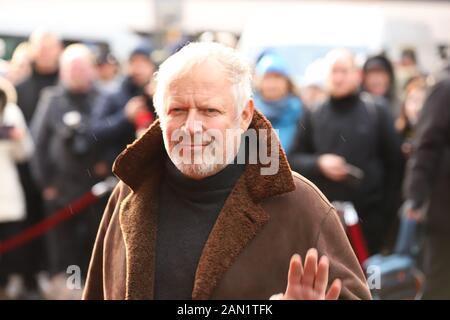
(349,148)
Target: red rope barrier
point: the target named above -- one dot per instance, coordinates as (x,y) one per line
(48,223)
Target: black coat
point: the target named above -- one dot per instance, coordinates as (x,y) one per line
(362,132)
(65,157)
(29,91)
(428,172)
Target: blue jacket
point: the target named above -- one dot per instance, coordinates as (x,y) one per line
(284,114)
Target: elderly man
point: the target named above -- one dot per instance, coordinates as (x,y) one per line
(67,162)
(45,50)
(189,220)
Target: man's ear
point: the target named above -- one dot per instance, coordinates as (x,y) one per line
(247,115)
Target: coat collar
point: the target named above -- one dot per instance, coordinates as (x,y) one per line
(140,166)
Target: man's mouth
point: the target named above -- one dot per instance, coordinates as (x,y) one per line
(194,146)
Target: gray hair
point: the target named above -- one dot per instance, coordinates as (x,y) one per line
(75,51)
(236,67)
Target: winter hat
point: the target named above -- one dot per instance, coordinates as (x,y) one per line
(378,63)
(142,50)
(271,63)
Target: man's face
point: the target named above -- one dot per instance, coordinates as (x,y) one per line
(377,82)
(343,78)
(199,112)
(413,104)
(107,71)
(140,69)
(78,74)
(313,95)
(274,86)
(46,51)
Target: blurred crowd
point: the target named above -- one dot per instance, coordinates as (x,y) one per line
(66,114)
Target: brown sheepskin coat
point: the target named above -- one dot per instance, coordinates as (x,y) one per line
(265,220)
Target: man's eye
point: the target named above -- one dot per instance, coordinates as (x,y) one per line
(211,110)
(176,110)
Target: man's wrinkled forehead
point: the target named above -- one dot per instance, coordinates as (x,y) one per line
(206,78)
(206,70)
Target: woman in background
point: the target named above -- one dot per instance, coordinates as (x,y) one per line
(275,97)
(378,79)
(15,146)
(415,92)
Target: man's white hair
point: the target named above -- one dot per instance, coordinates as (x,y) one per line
(336,54)
(76,51)
(236,67)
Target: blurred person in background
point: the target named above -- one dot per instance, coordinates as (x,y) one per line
(349,148)
(427,186)
(405,124)
(20,64)
(378,79)
(406,68)
(414,98)
(68,161)
(276,98)
(140,110)
(15,146)
(313,91)
(108,73)
(110,124)
(45,49)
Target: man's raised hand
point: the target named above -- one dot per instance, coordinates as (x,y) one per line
(309,282)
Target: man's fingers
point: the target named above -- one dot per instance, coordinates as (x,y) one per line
(309,281)
(310,270)
(320,284)
(334,291)
(295,271)
(294,276)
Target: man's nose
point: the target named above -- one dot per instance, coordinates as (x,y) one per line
(192,124)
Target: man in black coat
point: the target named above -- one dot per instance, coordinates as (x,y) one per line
(348,147)
(68,159)
(110,123)
(45,50)
(427,186)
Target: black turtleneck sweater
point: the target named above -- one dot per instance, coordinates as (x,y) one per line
(188,210)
